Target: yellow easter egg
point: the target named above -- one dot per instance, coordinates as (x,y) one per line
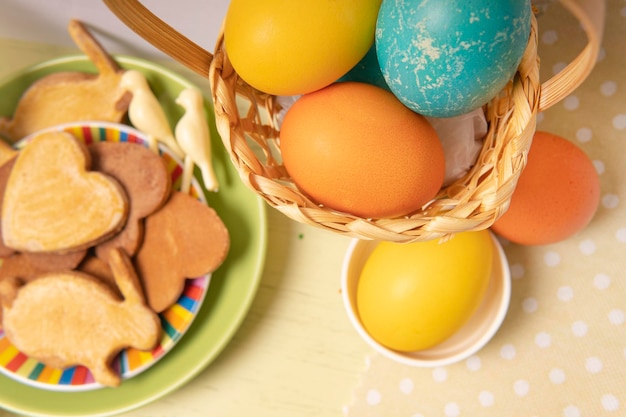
(286,47)
(414,296)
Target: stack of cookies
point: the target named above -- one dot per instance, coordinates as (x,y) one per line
(95,240)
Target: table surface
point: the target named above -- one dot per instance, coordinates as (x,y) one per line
(296,353)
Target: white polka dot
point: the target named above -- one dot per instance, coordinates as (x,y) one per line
(619,122)
(552,259)
(517,271)
(599,165)
(373,397)
(593,365)
(507,352)
(571,411)
(558,67)
(565,293)
(486,399)
(543,340)
(557,376)
(601,55)
(530,305)
(587,247)
(549,37)
(617,317)
(579,328)
(610,402)
(452,410)
(623,11)
(621,235)
(406,385)
(440,374)
(473,363)
(610,201)
(608,88)
(521,388)
(584,134)
(602,281)
(571,103)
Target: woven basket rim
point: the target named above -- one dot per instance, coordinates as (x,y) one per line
(245,119)
(473,202)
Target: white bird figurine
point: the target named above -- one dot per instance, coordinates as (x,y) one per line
(193,136)
(146,114)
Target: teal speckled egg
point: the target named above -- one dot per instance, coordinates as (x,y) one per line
(447,58)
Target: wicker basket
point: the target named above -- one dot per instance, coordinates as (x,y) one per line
(245,119)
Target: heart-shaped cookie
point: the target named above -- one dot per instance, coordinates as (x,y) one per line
(53,203)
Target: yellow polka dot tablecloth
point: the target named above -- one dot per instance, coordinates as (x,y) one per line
(561,350)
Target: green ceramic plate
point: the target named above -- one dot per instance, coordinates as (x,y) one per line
(233,285)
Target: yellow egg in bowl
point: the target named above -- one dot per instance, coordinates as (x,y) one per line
(427,304)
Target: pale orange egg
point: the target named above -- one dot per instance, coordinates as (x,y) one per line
(356,148)
(557,194)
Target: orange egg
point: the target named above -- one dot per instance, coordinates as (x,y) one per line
(356,148)
(556,196)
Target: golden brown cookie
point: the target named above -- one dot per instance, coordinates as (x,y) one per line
(71,318)
(184,239)
(53,203)
(146,181)
(71,96)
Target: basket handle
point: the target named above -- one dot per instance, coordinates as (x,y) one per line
(590,14)
(161,35)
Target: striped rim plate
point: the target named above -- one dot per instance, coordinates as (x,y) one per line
(174,321)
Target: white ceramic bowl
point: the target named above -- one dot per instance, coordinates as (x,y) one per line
(476,332)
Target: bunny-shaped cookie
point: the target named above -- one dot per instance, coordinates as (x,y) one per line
(70,318)
(68,96)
